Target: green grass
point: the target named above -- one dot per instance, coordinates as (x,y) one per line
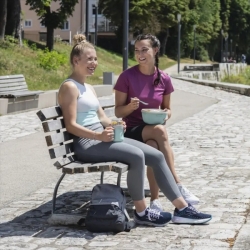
(24,60)
(243,78)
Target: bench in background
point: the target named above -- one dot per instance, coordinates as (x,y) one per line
(14,88)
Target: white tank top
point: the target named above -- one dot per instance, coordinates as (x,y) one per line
(87,105)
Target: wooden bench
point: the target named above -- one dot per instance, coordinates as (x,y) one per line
(15,86)
(15,96)
(60,146)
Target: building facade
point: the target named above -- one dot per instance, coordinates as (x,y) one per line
(34,30)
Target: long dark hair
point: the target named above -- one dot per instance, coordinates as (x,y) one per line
(155,43)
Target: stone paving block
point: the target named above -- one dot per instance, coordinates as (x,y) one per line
(47,248)
(18,246)
(73,248)
(243,238)
(71,241)
(103,243)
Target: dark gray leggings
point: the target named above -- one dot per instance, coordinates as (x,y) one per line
(136,155)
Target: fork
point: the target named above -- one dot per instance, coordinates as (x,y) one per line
(141,101)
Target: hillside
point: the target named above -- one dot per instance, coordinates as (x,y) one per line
(46,70)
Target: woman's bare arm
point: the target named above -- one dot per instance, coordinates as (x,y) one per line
(166,104)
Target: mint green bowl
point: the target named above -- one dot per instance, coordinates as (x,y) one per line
(153,116)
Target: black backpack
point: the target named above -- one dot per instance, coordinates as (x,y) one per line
(107,211)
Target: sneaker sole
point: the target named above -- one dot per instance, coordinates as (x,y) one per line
(181,220)
(150,223)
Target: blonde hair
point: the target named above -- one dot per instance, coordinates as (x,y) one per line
(80,43)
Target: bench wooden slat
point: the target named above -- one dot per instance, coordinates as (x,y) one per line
(76,168)
(61,150)
(57,138)
(16,88)
(49,113)
(11,76)
(64,161)
(106,166)
(103,166)
(120,167)
(21,93)
(50,126)
(12,82)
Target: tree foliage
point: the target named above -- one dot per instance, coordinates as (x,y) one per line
(52,19)
(209,16)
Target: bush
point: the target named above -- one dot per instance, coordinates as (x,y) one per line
(51,60)
(203,54)
(242,78)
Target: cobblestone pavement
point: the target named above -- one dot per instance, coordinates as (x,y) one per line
(212,154)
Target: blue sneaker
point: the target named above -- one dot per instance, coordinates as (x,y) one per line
(153,217)
(190,216)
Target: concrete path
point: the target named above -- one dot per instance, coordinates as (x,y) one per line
(212,155)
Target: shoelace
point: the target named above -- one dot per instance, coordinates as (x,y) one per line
(153,213)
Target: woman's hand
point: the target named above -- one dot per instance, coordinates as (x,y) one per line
(168,115)
(107,134)
(134,103)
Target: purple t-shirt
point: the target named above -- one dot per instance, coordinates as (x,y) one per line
(136,84)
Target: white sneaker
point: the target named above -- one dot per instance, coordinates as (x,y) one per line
(188,196)
(155,204)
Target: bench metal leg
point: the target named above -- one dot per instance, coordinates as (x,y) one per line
(55,192)
(119,179)
(102,175)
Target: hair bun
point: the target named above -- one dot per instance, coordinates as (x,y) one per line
(79,38)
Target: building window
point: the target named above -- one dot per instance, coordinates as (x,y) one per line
(65,25)
(42,25)
(27,23)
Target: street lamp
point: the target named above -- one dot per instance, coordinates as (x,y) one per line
(87,20)
(125,33)
(226,40)
(179,38)
(222,33)
(194,42)
(96,23)
(231,43)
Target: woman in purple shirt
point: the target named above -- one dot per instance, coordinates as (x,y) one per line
(148,83)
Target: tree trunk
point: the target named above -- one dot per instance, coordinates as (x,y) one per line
(13,17)
(50,38)
(164,42)
(3,18)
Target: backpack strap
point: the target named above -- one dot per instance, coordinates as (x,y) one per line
(126,214)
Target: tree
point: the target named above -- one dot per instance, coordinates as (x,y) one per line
(13,17)
(239,23)
(3,18)
(52,19)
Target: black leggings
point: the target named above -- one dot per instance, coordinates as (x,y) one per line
(134,153)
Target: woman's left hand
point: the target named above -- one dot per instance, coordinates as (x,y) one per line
(168,115)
